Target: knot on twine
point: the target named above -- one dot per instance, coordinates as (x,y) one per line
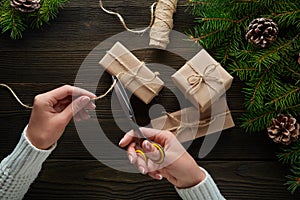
(134,75)
(195,80)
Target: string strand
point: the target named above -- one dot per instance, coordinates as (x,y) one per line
(123,21)
(16,97)
(106,93)
(134,75)
(199,124)
(30,107)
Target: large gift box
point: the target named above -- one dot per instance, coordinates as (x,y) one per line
(190,123)
(202,80)
(133,73)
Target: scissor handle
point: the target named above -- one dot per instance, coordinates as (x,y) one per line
(159,148)
(161,151)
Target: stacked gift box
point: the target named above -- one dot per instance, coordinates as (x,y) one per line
(202,80)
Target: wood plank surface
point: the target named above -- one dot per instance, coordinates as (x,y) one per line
(244,165)
(86,180)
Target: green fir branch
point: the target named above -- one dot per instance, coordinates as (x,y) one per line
(16,22)
(290,154)
(271,75)
(12,21)
(257,121)
(293,180)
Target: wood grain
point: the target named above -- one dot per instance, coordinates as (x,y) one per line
(244,165)
(92,180)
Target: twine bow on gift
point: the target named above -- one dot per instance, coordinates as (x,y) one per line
(195,80)
(133,75)
(177,130)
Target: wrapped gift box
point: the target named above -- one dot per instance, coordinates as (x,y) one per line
(133,73)
(202,80)
(189,123)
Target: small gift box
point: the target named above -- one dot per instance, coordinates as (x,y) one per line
(133,73)
(202,80)
(188,123)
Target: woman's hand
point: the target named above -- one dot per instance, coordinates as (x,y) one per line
(179,168)
(52,111)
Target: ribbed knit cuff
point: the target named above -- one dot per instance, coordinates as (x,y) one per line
(26,158)
(206,189)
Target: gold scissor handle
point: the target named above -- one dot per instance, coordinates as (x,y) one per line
(159,148)
(142,154)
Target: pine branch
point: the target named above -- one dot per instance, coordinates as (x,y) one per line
(290,154)
(257,121)
(12,20)
(271,75)
(16,22)
(48,11)
(294,179)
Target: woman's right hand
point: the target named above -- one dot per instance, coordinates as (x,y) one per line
(179,168)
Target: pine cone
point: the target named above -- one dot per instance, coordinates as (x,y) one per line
(284,129)
(25,5)
(262,32)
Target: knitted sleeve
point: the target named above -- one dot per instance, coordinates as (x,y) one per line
(20,168)
(206,189)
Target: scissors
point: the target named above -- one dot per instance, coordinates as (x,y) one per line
(126,106)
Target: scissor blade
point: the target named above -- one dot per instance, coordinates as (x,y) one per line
(126,106)
(123,98)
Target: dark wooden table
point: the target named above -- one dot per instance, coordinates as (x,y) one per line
(243,165)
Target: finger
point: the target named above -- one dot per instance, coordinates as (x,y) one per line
(151,151)
(132,155)
(75,107)
(77,118)
(157,136)
(155,175)
(83,115)
(141,164)
(67,100)
(67,90)
(91,106)
(127,139)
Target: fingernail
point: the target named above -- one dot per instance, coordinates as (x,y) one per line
(130,159)
(147,145)
(121,141)
(159,176)
(142,170)
(85,100)
(93,106)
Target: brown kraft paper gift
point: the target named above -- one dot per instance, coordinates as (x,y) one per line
(187,124)
(133,73)
(202,80)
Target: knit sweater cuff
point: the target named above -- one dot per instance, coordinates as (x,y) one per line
(26,157)
(206,189)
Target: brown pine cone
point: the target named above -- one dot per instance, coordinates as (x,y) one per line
(25,5)
(284,129)
(262,32)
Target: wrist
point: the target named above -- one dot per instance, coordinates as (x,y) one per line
(37,139)
(196,176)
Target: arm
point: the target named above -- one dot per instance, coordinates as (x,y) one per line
(51,113)
(179,168)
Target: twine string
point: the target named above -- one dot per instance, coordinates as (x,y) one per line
(30,107)
(123,21)
(133,75)
(199,124)
(196,79)
(15,96)
(106,93)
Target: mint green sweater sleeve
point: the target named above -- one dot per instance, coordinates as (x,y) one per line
(205,190)
(20,168)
